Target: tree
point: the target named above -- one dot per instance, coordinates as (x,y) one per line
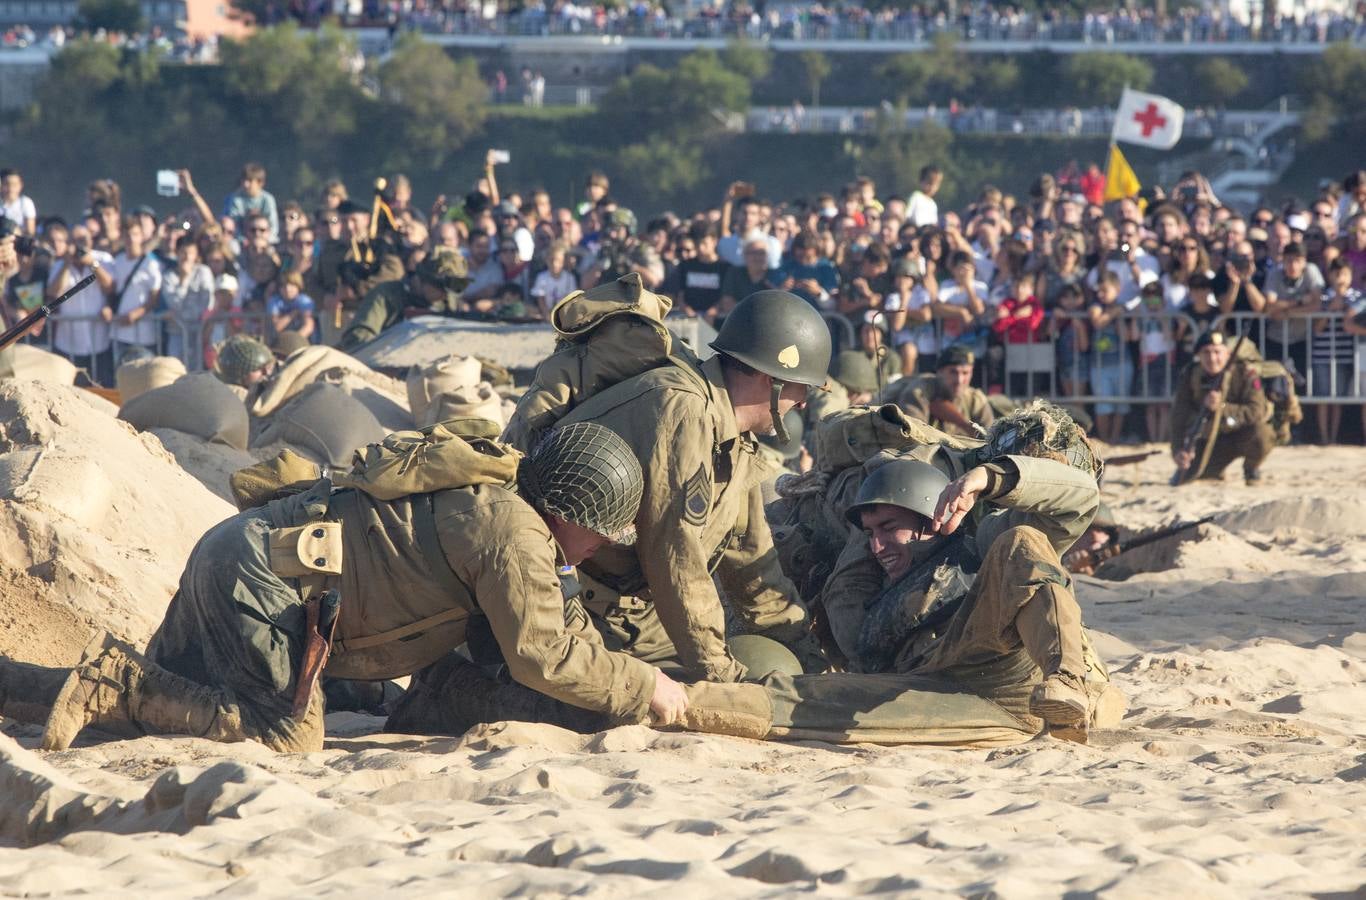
(1332,84)
(1219,81)
(1098,78)
(817,69)
(938,73)
(686,102)
(111,15)
(658,170)
(748,60)
(434,103)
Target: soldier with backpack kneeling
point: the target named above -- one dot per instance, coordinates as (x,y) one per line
(415,568)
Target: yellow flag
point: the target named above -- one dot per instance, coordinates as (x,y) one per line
(1120,180)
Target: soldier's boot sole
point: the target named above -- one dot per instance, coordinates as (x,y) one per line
(1063,708)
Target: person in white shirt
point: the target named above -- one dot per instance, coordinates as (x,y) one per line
(748,226)
(556,281)
(1134,266)
(16,207)
(921,209)
(84,341)
(137,286)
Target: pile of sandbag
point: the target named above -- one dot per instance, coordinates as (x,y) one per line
(454,387)
(96,522)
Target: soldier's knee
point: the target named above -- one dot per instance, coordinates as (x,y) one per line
(1023,543)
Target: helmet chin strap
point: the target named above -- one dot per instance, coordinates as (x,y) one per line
(779,431)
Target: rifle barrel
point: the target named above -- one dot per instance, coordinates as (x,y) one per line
(21,328)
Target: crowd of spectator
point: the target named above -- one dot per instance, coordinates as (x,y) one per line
(1116,293)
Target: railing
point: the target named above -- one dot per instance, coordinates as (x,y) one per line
(90,341)
(1334,374)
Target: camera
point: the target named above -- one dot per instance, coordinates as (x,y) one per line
(500,157)
(8,227)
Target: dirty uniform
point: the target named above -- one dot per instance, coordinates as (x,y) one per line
(384,306)
(414,575)
(916,394)
(820,404)
(1243,419)
(701,515)
(962,679)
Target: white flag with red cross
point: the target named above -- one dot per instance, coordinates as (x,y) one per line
(1148,120)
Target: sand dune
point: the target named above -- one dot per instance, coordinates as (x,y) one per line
(1240,770)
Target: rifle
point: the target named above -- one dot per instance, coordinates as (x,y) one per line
(1130,458)
(21,328)
(946,412)
(1206,419)
(1085,562)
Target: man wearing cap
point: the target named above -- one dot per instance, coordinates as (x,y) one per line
(947,400)
(433,286)
(510,227)
(691,426)
(225,663)
(1238,413)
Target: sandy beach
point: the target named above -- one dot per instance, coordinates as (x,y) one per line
(1239,771)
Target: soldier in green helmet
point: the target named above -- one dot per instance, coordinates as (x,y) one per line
(692,425)
(853,382)
(244,361)
(434,285)
(225,662)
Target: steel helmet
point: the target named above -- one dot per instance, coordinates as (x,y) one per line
(586,474)
(907,483)
(239,356)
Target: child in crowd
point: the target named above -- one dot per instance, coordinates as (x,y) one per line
(1332,347)
(1071,332)
(290,308)
(555,281)
(1109,359)
(1157,353)
(908,316)
(1019,320)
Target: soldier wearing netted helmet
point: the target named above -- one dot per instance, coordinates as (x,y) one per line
(480,560)
(244,361)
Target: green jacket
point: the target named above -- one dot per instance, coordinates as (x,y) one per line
(915,394)
(382,309)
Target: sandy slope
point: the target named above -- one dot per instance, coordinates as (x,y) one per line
(1240,771)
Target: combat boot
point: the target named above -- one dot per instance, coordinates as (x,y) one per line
(1062,703)
(117,689)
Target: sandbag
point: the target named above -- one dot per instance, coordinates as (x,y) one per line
(479,401)
(324,421)
(36,364)
(301,369)
(434,459)
(382,395)
(138,376)
(197,404)
(445,376)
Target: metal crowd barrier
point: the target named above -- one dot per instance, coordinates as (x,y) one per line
(1338,374)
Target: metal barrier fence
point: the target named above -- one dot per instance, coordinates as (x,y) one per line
(96,345)
(1136,359)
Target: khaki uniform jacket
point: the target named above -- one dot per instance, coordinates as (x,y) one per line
(915,394)
(820,404)
(1055,498)
(415,569)
(702,511)
(1244,401)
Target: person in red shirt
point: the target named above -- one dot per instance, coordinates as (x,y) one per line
(1019,320)
(1093,185)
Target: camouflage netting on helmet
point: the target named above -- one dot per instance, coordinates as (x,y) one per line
(1042,430)
(585,473)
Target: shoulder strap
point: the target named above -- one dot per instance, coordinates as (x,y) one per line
(115,300)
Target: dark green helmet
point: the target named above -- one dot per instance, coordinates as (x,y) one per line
(790,448)
(761,655)
(239,356)
(779,334)
(446,269)
(586,474)
(1043,430)
(854,370)
(624,218)
(907,483)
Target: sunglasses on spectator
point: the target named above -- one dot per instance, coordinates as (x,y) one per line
(259,230)
(1068,248)
(1190,248)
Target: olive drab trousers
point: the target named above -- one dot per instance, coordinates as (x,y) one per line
(969,686)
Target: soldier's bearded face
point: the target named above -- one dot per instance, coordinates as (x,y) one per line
(892,534)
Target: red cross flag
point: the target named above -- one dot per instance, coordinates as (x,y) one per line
(1148,120)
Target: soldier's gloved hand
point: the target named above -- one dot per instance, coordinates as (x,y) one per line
(669,701)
